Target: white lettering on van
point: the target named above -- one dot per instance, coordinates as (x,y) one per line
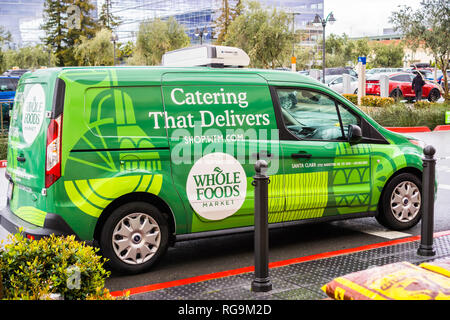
(179,97)
(208,119)
(172,95)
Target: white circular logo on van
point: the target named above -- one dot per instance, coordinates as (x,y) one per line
(33,113)
(216,186)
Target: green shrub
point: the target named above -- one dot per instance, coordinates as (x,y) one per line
(401,115)
(370,101)
(53,265)
(3,147)
(425,104)
(375,101)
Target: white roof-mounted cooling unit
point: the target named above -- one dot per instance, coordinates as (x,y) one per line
(206,56)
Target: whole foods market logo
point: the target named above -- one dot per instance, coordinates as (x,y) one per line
(33,113)
(216,186)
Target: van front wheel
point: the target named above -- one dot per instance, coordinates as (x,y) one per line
(134,237)
(401,202)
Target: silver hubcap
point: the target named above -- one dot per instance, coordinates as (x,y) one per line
(136,238)
(405,201)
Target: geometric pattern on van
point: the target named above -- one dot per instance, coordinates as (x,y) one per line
(276,198)
(353,200)
(307,195)
(93,195)
(31,215)
(358,176)
(346,149)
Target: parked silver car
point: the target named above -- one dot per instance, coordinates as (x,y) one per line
(336,83)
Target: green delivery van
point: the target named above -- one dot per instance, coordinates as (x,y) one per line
(136,158)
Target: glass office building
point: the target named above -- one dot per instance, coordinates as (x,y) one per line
(24,17)
(200,14)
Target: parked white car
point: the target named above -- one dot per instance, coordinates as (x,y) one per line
(336,83)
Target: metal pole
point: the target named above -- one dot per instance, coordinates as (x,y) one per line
(428,189)
(261,282)
(114,42)
(323,52)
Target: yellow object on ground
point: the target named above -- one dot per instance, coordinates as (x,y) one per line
(441,266)
(397,281)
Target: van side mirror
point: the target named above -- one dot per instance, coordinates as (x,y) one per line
(354,133)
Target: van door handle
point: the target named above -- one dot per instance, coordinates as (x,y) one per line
(21,159)
(302,155)
(262,154)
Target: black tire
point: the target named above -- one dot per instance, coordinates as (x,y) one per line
(396,94)
(134,237)
(389,213)
(434,95)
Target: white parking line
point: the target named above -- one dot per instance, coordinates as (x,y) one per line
(374,230)
(444,186)
(388,234)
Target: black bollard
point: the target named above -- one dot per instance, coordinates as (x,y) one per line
(261,282)
(428,189)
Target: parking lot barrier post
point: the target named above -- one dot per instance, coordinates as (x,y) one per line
(428,190)
(261,281)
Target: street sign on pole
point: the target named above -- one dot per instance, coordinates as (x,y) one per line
(361,70)
(362,60)
(447,117)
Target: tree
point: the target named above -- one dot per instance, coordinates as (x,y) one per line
(5,37)
(427,27)
(29,57)
(85,27)
(228,14)
(98,51)
(361,48)
(157,37)
(55,27)
(106,18)
(387,55)
(65,21)
(263,34)
(339,50)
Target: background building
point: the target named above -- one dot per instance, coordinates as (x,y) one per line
(24,17)
(200,14)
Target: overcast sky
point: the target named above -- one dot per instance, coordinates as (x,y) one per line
(358,18)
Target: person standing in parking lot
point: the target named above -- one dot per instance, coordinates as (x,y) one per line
(417,85)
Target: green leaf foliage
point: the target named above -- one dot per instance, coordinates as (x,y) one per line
(155,38)
(264,34)
(37,269)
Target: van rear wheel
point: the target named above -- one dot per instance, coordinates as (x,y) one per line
(134,237)
(401,202)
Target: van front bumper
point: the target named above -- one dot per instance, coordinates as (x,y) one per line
(53,224)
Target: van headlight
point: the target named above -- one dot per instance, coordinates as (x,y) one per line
(418,143)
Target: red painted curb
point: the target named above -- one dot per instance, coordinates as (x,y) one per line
(408,129)
(443,127)
(276,264)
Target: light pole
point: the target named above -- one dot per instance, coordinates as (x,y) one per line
(293,59)
(202,33)
(114,39)
(317,22)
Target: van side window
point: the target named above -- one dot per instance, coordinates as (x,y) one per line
(310,115)
(347,118)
